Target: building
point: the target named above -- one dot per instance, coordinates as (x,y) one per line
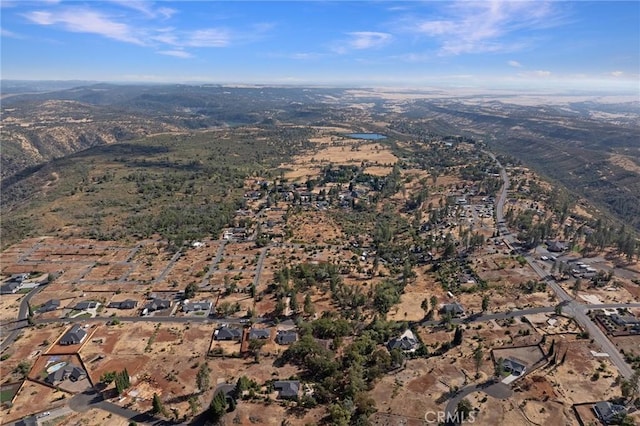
(50,305)
(407,342)
(83,306)
(10,287)
(68,372)
(157,304)
(556,246)
(607,412)
(286,337)
(74,336)
(514,366)
(455,309)
(227,333)
(196,306)
(125,304)
(259,333)
(287,389)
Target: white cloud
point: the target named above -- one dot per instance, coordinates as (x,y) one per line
(515,64)
(617,73)
(6,33)
(86,21)
(536,74)
(176,53)
(147,8)
(368,39)
(487,26)
(212,37)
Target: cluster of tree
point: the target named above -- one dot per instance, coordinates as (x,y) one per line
(121,379)
(348,377)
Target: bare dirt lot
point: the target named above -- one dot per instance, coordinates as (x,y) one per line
(32,398)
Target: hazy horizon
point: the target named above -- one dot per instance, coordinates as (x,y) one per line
(513,45)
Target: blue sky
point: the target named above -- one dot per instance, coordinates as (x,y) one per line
(513,44)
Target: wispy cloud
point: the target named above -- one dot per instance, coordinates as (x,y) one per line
(147,8)
(6,33)
(147,27)
(211,37)
(176,53)
(535,74)
(487,26)
(515,64)
(361,40)
(617,73)
(86,21)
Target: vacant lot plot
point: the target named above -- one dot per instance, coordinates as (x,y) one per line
(32,398)
(340,152)
(529,355)
(9,307)
(574,380)
(33,342)
(404,397)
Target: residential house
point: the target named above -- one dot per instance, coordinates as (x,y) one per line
(50,305)
(157,304)
(74,336)
(227,333)
(407,342)
(10,287)
(196,306)
(455,309)
(607,412)
(556,246)
(259,333)
(286,337)
(125,304)
(514,366)
(68,372)
(87,304)
(287,389)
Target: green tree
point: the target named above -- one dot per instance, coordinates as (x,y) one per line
(218,407)
(478,355)
(485,303)
(108,377)
(190,290)
(498,368)
(464,409)
(293,303)
(457,337)
(157,405)
(194,405)
(203,377)
(308,305)
(434,302)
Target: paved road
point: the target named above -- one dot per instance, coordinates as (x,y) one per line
(263,253)
(91,398)
(164,273)
(496,390)
(214,263)
(21,322)
(570,306)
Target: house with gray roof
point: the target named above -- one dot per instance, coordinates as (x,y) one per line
(607,412)
(74,336)
(125,304)
(407,342)
(287,389)
(10,287)
(259,333)
(286,337)
(68,372)
(455,309)
(157,304)
(84,305)
(196,306)
(227,333)
(50,305)
(514,366)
